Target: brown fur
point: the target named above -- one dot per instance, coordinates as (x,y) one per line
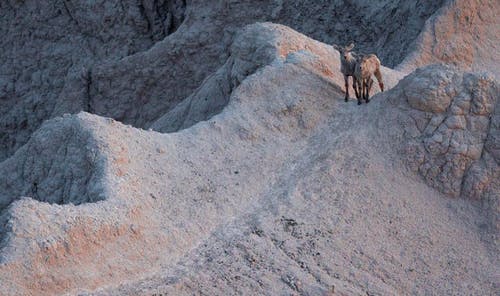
(366,67)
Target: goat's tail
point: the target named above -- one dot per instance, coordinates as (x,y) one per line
(378,74)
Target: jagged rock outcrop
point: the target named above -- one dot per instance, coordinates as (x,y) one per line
(463,33)
(45,43)
(450,116)
(111,58)
(251,50)
(288,188)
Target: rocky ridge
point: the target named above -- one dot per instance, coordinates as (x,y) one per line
(269,181)
(112,58)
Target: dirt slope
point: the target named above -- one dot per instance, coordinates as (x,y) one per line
(287,190)
(218,158)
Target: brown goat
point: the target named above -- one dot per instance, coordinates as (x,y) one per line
(348,62)
(366,67)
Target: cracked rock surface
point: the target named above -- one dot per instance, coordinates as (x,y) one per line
(286,188)
(451,128)
(216,155)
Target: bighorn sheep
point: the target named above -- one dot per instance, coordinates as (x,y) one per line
(348,62)
(366,67)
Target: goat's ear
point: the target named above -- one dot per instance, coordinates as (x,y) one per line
(350,46)
(335,46)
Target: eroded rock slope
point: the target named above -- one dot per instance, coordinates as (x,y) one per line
(286,188)
(49,46)
(462,33)
(453,139)
(135,61)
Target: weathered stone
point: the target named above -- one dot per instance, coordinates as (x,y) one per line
(454,138)
(455,122)
(430,91)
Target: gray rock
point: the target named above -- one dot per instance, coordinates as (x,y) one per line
(45,45)
(140,59)
(60,164)
(280,187)
(457,139)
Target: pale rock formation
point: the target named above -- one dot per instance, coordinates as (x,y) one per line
(287,188)
(453,115)
(268,182)
(463,33)
(111,58)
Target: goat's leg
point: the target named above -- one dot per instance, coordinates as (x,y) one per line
(346,80)
(369,87)
(355,85)
(361,90)
(378,74)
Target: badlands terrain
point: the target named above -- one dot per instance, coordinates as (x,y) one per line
(173,147)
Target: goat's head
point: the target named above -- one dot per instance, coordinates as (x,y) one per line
(345,51)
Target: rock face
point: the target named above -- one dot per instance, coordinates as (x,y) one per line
(461,33)
(387,28)
(282,187)
(450,128)
(254,176)
(111,58)
(48,48)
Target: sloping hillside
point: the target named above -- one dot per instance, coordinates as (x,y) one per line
(193,147)
(282,187)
